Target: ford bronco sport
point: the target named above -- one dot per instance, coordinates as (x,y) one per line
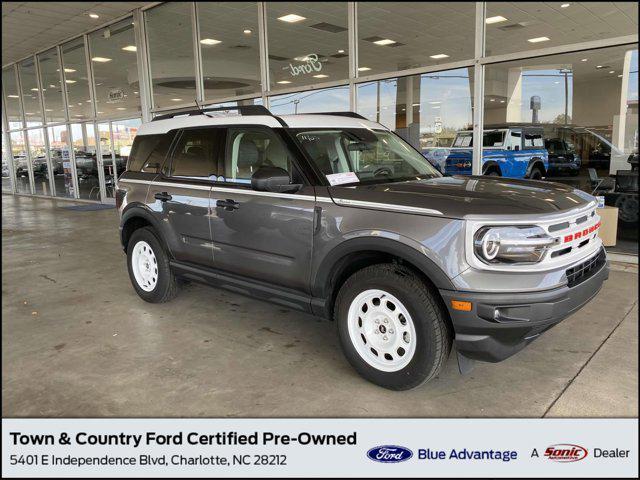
(336,215)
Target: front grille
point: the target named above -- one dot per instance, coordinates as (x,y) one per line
(585,270)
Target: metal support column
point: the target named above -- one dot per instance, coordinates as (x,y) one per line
(197,54)
(52,183)
(478,89)
(352,23)
(65,100)
(264,52)
(144,76)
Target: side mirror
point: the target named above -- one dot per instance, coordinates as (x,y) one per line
(273,179)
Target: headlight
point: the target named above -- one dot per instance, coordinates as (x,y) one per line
(511,244)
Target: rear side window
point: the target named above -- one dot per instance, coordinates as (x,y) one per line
(148,152)
(533,140)
(196,154)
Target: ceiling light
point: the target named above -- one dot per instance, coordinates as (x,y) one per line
(501,101)
(94,15)
(301,59)
(363,69)
(246,31)
(101,59)
(52,86)
(130,48)
(34,89)
(385,41)
(66,70)
(320,75)
(13,96)
(100,112)
(565,5)
(439,56)
(78,115)
(283,82)
(291,18)
(557,83)
(176,99)
(612,71)
(340,51)
(435,103)
(538,39)
(120,108)
(48,110)
(210,41)
(620,76)
(70,81)
(584,59)
(496,19)
(492,99)
(436,106)
(135,93)
(28,113)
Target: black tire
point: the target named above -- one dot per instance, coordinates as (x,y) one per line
(493,173)
(433,335)
(166,286)
(535,174)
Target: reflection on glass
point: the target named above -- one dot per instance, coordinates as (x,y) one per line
(51,86)
(76,80)
(115,71)
(38,155)
(230,49)
(84,149)
(586,105)
(61,160)
(400,35)
(171,54)
(426,110)
(326,100)
(12,98)
(311,47)
(520,26)
(30,92)
(6,162)
(124,131)
(20,166)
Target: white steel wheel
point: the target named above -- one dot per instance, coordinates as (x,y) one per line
(381,330)
(145,266)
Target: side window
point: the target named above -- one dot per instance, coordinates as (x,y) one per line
(248,149)
(196,154)
(533,140)
(148,152)
(515,139)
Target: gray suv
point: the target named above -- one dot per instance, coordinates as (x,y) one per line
(337,216)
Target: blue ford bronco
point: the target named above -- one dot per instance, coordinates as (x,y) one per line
(514,151)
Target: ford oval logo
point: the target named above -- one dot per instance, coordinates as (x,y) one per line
(389,454)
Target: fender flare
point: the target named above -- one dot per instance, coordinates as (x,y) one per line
(321,282)
(137,210)
(490,164)
(536,161)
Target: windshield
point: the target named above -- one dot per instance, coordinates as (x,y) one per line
(363,156)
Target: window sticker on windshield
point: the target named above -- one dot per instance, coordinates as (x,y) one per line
(340,178)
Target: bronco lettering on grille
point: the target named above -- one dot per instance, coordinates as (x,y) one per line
(582,233)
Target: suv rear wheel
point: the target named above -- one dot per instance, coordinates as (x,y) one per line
(392,329)
(149,269)
(536,173)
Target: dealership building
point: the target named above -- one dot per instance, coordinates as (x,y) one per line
(79,79)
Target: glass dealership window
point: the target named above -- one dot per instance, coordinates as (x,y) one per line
(401,35)
(20,162)
(308,43)
(30,92)
(587,106)
(61,160)
(521,26)
(38,156)
(326,100)
(6,162)
(170,39)
(230,48)
(51,86)
(115,70)
(426,110)
(11,102)
(76,79)
(84,149)
(124,131)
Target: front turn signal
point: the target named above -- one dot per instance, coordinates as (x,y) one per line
(460,305)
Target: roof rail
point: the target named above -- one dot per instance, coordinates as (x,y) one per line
(342,114)
(242,110)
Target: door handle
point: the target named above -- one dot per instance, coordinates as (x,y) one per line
(228,204)
(163,197)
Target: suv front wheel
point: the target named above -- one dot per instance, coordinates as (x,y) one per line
(149,269)
(392,328)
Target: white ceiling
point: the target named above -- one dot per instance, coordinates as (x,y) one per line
(28,27)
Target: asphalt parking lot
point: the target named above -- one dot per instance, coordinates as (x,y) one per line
(78,342)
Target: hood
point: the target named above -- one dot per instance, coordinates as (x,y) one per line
(461,196)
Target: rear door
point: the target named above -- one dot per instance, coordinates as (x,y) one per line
(517,158)
(261,235)
(179,196)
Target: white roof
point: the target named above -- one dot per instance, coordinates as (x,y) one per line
(293,121)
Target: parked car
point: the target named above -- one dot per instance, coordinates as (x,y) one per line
(337,216)
(563,158)
(515,151)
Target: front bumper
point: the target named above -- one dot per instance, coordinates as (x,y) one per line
(500,325)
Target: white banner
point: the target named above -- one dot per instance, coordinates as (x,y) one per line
(320,447)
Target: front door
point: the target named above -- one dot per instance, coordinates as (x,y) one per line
(261,235)
(180,195)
